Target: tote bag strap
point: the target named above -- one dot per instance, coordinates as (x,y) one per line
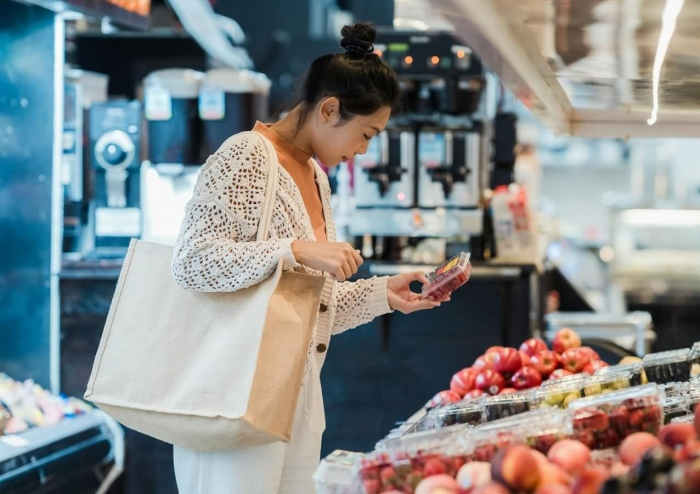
(270,189)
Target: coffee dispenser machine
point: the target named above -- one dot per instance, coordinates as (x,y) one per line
(384,175)
(448,168)
(171,107)
(428,183)
(231,101)
(115,140)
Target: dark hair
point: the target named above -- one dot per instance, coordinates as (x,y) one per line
(359,78)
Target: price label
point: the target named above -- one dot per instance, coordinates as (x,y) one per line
(212,103)
(159,104)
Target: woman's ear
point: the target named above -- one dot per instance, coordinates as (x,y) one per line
(329,110)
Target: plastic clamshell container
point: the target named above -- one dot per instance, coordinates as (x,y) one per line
(575,378)
(414,457)
(665,367)
(336,472)
(637,371)
(538,429)
(695,359)
(692,394)
(470,413)
(607,383)
(448,277)
(559,395)
(674,407)
(502,406)
(603,421)
(685,419)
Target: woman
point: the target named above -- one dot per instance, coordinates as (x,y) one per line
(347,100)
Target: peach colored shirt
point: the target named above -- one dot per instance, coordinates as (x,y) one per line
(297,163)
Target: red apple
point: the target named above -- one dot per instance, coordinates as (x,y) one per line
(592,354)
(507,361)
(442,398)
(564,339)
(533,346)
(506,391)
(490,381)
(559,373)
(463,381)
(574,360)
(525,378)
(593,366)
(493,349)
(545,362)
(482,363)
(474,393)
(524,357)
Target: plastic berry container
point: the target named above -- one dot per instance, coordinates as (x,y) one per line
(538,429)
(685,419)
(559,395)
(692,395)
(448,277)
(407,461)
(470,413)
(603,421)
(607,383)
(335,474)
(674,407)
(665,367)
(508,405)
(566,380)
(637,370)
(695,359)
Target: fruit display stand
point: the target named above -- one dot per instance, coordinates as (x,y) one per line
(605,430)
(55,444)
(62,458)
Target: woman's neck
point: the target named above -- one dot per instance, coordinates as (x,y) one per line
(289,129)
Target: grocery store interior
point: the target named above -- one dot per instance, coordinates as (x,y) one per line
(553,141)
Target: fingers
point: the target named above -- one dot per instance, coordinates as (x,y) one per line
(358,258)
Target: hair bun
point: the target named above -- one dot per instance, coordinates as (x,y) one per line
(358,38)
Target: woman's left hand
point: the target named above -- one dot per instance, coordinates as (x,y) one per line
(402,299)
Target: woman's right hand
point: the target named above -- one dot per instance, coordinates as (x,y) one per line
(339,259)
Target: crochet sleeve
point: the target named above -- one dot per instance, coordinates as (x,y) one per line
(216,250)
(359,302)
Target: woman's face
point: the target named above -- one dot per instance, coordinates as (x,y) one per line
(335,141)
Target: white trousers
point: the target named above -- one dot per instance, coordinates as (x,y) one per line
(276,468)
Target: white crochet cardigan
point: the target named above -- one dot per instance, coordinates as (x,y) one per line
(217,252)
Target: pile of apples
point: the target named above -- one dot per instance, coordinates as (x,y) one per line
(506,370)
(665,464)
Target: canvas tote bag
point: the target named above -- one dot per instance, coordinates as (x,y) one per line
(205,370)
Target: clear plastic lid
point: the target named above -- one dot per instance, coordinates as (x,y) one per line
(470,413)
(637,371)
(606,383)
(575,378)
(695,350)
(670,357)
(668,366)
(427,441)
(674,407)
(604,420)
(559,395)
(448,277)
(502,406)
(685,419)
(413,458)
(691,392)
(539,429)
